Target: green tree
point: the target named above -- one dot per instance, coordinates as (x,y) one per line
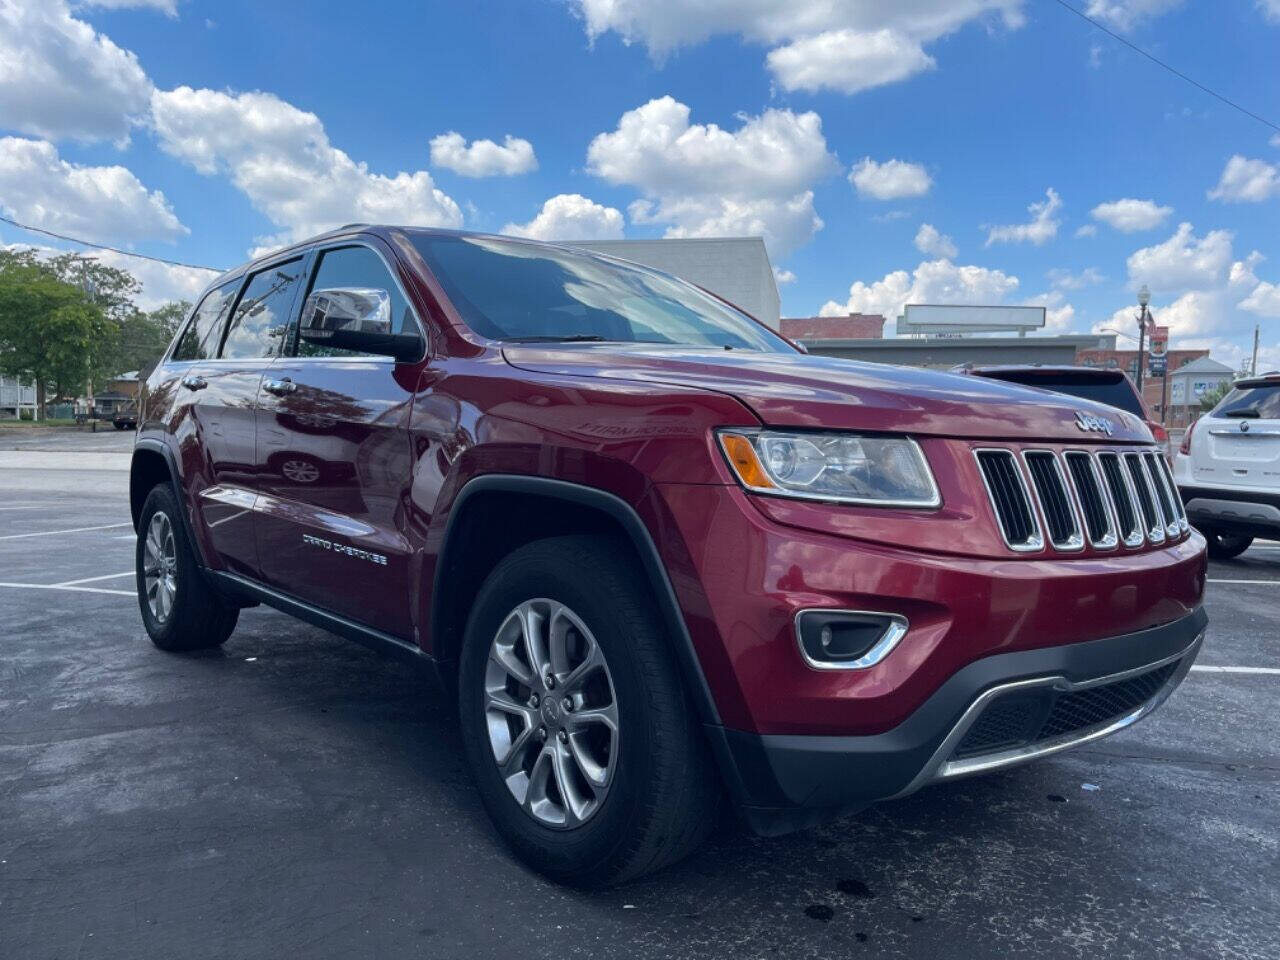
(49,329)
(1211,398)
(144,336)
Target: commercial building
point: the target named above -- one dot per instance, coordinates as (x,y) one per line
(736,268)
(1190,383)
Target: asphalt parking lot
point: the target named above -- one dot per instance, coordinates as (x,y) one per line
(294,795)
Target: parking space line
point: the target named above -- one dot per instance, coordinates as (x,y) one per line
(105,576)
(54,586)
(1211,580)
(1268,671)
(31,506)
(54,533)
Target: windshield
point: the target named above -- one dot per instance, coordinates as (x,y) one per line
(1263,402)
(1116,393)
(508,290)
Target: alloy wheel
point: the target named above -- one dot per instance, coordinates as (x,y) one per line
(551,713)
(160,567)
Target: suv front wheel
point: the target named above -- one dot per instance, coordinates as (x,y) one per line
(577,728)
(179,609)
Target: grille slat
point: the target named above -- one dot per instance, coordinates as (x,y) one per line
(1146,500)
(1121,499)
(1173,491)
(1010,499)
(1163,496)
(1093,503)
(1051,490)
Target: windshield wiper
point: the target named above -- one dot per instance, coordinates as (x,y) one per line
(1244,412)
(569,338)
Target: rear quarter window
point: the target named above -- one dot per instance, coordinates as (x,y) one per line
(200,339)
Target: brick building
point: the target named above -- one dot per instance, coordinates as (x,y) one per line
(855,326)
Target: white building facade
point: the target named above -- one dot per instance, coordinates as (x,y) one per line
(17,399)
(736,268)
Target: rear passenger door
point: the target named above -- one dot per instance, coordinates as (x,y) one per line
(224,409)
(334,458)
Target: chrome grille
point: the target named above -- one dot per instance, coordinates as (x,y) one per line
(1067,498)
(1122,499)
(1093,501)
(1181,510)
(1146,499)
(1165,494)
(1050,487)
(1010,498)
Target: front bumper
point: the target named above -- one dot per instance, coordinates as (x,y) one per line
(996,712)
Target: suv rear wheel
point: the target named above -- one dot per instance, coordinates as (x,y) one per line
(179,609)
(1226,546)
(576,725)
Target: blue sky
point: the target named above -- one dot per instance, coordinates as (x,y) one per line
(201,132)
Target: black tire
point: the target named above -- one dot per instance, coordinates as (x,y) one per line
(1226,546)
(198,618)
(665,791)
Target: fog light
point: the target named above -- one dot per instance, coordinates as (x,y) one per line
(847,639)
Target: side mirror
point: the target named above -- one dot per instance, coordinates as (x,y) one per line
(356,319)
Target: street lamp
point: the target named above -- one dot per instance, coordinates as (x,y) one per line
(1144,297)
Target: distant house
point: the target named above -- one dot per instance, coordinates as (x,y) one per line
(1192,381)
(17,399)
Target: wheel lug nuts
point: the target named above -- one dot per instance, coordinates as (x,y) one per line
(551,681)
(567,703)
(533,701)
(542,734)
(564,737)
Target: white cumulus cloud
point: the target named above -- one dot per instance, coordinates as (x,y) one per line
(1042,228)
(932,243)
(105,204)
(281,159)
(1066,280)
(933,281)
(1247,181)
(1183,262)
(891,180)
(702,180)
(1264,300)
(482,158)
(61,79)
(1130,216)
(570,216)
(1128,14)
(848,61)
(843,45)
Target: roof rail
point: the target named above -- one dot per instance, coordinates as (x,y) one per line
(348,226)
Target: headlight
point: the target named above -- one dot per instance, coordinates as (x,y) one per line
(847,467)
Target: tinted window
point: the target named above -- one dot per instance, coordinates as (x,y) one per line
(508,290)
(262,315)
(201,337)
(356,268)
(1118,393)
(1261,402)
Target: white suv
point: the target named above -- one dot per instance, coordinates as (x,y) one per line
(1228,468)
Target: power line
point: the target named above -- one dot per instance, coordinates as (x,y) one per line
(103,246)
(1174,70)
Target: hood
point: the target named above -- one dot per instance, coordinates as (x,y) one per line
(802,390)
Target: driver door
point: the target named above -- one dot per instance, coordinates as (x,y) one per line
(334,460)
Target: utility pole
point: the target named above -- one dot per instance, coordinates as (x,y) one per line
(1144,297)
(1253,366)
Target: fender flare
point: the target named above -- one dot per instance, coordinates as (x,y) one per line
(157,446)
(636,531)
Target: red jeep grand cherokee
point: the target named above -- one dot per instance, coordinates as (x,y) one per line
(661,555)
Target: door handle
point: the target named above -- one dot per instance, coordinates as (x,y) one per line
(279,387)
(195,383)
